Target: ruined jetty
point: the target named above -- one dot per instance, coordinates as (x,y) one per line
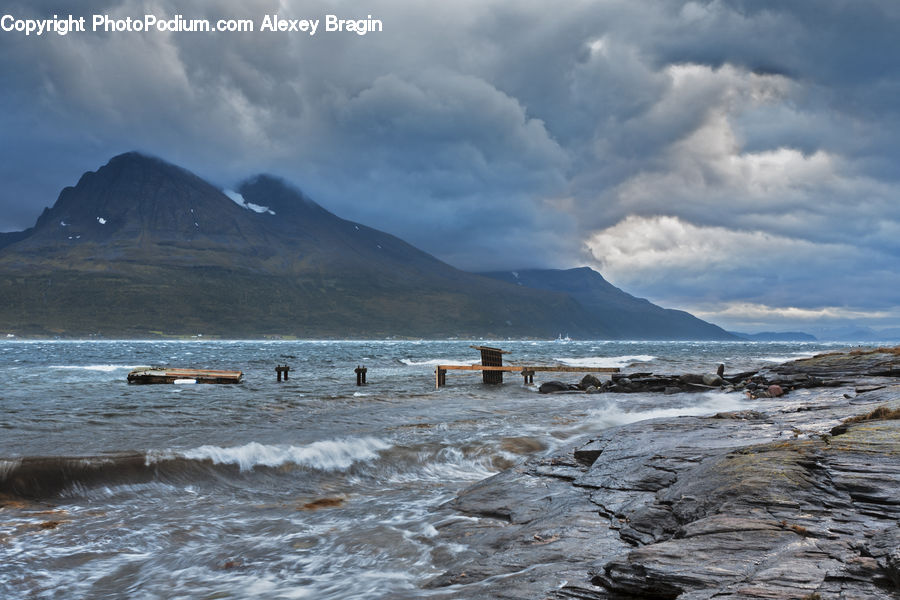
(167,375)
(492,368)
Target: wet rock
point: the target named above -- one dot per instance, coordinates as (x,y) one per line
(741,505)
(690,378)
(712,380)
(590,381)
(549,387)
(740,414)
(774,391)
(589,452)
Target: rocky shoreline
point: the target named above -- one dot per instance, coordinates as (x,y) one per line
(788,501)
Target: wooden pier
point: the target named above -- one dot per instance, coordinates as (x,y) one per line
(164,375)
(492,368)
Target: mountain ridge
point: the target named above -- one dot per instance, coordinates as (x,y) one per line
(142,247)
(621,313)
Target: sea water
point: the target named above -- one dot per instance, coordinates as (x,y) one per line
(308,488)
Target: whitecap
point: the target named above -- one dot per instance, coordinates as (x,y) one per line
(606,361)
(436,361)
(327,455)
(103,368)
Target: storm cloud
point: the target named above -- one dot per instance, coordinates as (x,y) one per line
(737,159)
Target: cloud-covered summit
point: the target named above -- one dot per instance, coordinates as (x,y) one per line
(736,159)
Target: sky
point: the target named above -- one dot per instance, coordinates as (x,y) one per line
(736,159)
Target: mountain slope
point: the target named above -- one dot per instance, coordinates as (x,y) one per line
(618,312)
(141,247)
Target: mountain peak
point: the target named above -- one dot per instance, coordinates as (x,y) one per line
(132,196)
(278,195)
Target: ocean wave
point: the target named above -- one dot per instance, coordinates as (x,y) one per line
(49,476)
(327,455)
(788,357)
(448,464)
(606,361)
(706,403)
(102,368)
(437,361)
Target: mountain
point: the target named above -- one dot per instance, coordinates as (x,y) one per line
(142,247)
(856,333)
(618,312)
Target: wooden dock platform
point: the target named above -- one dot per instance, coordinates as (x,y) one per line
(492,368)
(527,371)
(165,375)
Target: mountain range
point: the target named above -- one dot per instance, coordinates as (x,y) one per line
(142,248)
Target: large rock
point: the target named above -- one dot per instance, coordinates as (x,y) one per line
(740,505)
(549,387)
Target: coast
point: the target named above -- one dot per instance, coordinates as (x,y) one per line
(798,497)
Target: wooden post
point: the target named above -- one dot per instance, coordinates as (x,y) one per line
(529,376)
(282,369)
(360,375)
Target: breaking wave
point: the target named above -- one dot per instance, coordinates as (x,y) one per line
(606,361)
(788,357)
(49,476)
(437,361)
(326,455)
(102,368)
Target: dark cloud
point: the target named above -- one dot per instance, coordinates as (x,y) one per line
(722,155)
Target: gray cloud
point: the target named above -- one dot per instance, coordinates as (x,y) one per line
(505,134)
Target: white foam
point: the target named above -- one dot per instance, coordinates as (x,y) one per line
(606,361)
(103,368)
(327,455)
(7,466)
(101,220)
(788,357)
(709,403)
(449,465)
(436,361)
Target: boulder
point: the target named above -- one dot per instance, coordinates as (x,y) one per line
(549,387)
(712,380)
(590,380)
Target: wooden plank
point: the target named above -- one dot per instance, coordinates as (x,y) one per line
(166,375)
(519,368)
(481,348)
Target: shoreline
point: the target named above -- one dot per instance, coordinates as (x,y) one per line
(787,501)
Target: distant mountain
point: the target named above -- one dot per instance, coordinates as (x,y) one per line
(142,247)
(851,333)
(7,238)
(776,336)
(618,312)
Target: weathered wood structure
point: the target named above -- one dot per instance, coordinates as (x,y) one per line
(166,375)
(282,370)
(492,368)
(491,357)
